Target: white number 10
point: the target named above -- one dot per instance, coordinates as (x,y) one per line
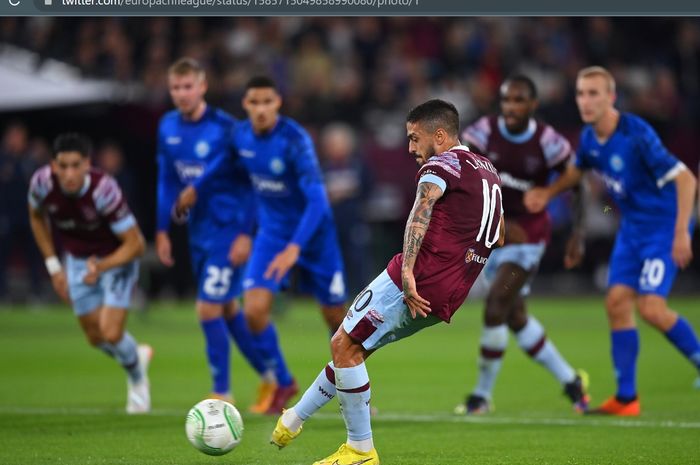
(490,203)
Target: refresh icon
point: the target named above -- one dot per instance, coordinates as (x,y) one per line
(14,3)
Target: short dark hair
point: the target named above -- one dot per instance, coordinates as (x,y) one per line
(526,81)
(257,82)
(72,142)
(436,114)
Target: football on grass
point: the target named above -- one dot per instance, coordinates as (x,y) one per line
(214,427)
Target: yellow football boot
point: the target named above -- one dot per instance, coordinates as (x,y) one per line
(346,455)
(266,392)
(281,435)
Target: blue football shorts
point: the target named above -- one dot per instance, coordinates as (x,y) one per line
(379,316)
(320,267)
(113,288)
(526,256)
(218,281)
(641,259)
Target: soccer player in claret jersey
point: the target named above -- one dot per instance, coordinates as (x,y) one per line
(294,219)
(102,241)
(455,222)
(654,192)
(526,152)
(190,138)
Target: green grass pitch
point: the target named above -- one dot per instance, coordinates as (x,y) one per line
(63,403)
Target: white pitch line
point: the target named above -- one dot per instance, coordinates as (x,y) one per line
(391,417)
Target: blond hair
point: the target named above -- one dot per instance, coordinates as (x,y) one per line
(186,65)
(598,71)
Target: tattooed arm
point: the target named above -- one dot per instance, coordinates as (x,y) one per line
(416,227)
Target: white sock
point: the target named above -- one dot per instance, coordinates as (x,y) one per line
(321,391)
(354,394)
(535,343)
(494,340)
(291,420)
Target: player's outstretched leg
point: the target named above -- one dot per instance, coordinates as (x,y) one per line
(625,349)
(684,338)
(243,337)
(218,356)
(534,342)
(494,340)
(321,391)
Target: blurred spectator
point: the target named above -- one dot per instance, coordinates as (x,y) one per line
(348,185)
(16,168)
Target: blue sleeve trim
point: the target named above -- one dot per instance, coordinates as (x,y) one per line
(435,180)
(123,225)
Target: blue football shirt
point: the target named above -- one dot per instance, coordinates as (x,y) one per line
(637,170)
(185,150)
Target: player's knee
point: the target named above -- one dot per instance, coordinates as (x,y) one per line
(111,334)
(656,313)
(257,318)
(345,351)
(496,310)
(619,307)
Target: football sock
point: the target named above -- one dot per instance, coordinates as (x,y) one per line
(271,353)
(125,351)
(625,348)
(238,328)
(354,394)
(533,340)
(321,391)
(494,340)
(683,337)
(218,353)
(291,419)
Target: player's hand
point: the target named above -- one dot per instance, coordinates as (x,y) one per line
(60,285)
(515,234)
(682,252)
(185,201)
(240,249)
(283,262)
(536,199)
(575,249)
(93,271)
(416,304)
(164,249)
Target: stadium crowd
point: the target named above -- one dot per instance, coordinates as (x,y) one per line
(349,81)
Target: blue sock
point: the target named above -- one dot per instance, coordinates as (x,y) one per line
(218,353)
(238,328)
(269,349)
(683,337)
(625,348)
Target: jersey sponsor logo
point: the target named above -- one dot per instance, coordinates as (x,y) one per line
(269,186)
(508,180)
(173,140)
(202,149)
(246,153)
(472,256)
(614,185)
(188,172)
(616,162)
(277,165)
(89,213)
(375,317)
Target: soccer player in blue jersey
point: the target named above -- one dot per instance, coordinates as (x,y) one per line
(294,219)
(655,193)
(189,138)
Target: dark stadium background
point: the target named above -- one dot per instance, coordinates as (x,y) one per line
(363,72)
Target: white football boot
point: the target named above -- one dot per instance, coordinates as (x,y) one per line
(139,394)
